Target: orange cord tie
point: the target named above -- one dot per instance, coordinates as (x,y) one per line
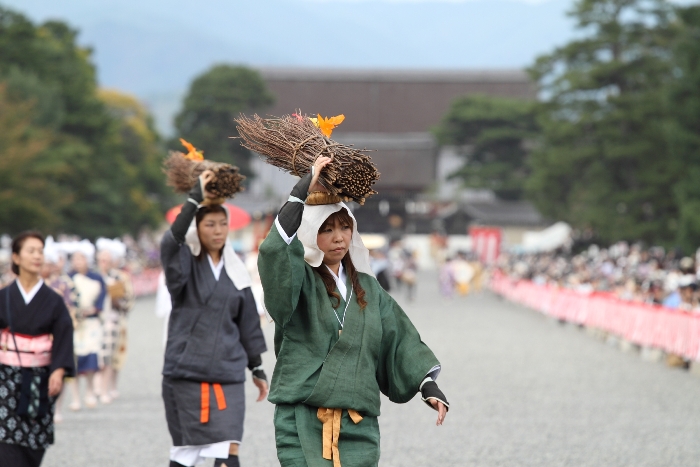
(206,404)
(331,431)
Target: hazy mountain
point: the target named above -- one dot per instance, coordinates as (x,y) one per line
(153,48)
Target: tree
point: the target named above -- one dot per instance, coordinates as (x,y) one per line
(141,158)
(684,125)
(89,186)
(495,134)
(22,189)
(603,162)
(215,98)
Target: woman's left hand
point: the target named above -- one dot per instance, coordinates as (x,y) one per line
(442,411)
(262,387)
(56,382)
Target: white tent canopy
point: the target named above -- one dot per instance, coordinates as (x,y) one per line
(548,239)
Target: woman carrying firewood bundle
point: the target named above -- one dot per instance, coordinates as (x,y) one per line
(213,334)
(340,339)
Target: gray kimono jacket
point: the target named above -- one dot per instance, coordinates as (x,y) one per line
(214,328)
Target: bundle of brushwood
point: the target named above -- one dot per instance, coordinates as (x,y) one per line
(293,143)
(182,172)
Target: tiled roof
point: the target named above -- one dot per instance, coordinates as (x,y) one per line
(395,75)
(500,212)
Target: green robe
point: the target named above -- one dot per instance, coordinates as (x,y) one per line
(378,350)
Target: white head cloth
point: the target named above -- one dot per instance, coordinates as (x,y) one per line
(116,248)
(235,268)
(312,219)
(69,247)
(52,253)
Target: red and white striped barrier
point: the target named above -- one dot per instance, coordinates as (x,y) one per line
(145,282)
(673,331)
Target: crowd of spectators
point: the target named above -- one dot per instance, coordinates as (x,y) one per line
(142,252)
(630,272)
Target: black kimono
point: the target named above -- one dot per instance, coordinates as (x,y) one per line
(213,335)
(26,410)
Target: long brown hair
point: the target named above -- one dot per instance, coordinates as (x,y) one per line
(343,217)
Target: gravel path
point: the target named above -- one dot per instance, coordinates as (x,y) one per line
(524,390)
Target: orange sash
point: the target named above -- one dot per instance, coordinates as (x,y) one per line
(205,406)
(331,431)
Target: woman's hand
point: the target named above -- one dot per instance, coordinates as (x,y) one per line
(442,411)
(56,382)
(204,178)
(262,387)
(320,163)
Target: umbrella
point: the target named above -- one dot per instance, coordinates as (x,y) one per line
(238,218)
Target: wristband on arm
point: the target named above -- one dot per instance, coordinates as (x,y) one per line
(430,390)
(189,210)
(255,366)
(289,216)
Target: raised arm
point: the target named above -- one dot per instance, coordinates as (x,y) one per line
(174,254)
(281,259)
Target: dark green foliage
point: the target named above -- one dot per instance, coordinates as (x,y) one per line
(215,98)
(603,162)
(495,134)
(87,184)
(684,125)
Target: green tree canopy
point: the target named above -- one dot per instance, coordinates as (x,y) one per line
(214,99)
(89,187)
(21,144)
(603,162)
(684,125)
(495,135)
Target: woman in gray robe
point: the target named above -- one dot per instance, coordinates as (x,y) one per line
(213,335)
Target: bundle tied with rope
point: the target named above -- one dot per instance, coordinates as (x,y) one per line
(183,170)
(294,142)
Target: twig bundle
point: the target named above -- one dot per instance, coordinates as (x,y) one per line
(294,143)
(183,173)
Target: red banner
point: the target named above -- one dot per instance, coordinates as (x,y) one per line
(486,243)
(647,325)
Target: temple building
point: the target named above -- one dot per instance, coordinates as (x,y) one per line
(391,112)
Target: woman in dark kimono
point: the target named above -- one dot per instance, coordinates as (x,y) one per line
(213,335)
(340,339)
(36,353)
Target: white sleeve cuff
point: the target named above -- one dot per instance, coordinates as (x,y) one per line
(282,233)
(435,372)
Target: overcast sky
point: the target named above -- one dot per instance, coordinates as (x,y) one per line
(153,48)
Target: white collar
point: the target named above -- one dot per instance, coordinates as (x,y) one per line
(216,269)
(340,279)
(28,296)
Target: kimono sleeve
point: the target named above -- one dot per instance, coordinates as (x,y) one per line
(404,359)
(176,259)
(62,333)
(248,322)
(282,273)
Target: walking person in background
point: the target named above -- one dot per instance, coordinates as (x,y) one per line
(54,276)
(340,339)
(120,301)
(409,274)
(36,353)
(446,279)
(463,273)
(395,255)
(213,334)
(92,293)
